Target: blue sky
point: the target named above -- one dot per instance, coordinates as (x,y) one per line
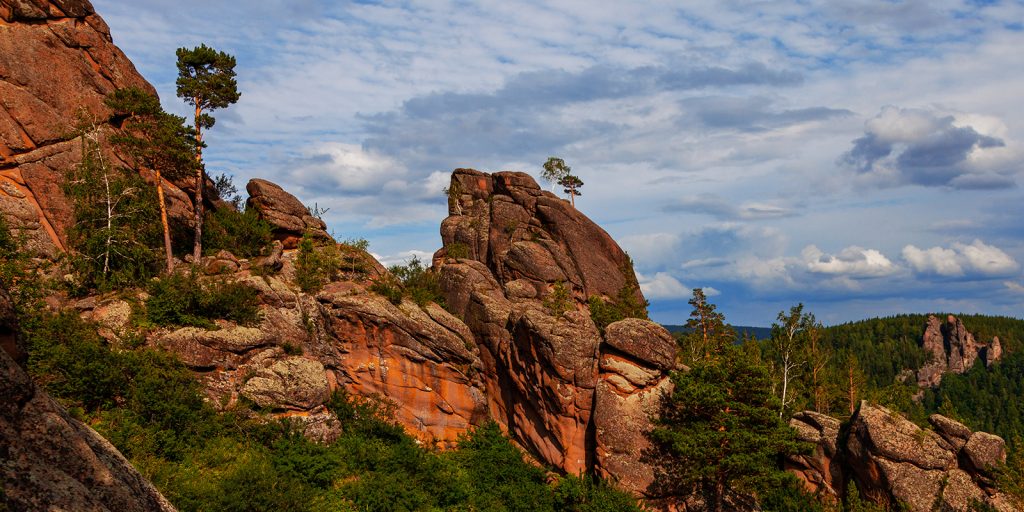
(864,158)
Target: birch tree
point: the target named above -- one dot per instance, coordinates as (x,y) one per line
(787,344)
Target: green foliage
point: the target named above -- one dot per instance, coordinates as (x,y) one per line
(353,255)
(559,301)
(242,233)
(1011,476)
(182,300)
(855,503)
(706,330)
(719,434)
(418,282)
(316,266)
(224,184)
(588,494)
(114,233)
(556,171)
(74,363)
(457,250)
(626,304)
(206,80)
(389,288)
(151,138)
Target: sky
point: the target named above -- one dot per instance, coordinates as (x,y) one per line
(863,158)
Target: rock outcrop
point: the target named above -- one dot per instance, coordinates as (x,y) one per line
(577,399)
(289,217)
(952,348)
(57,63)
(49,460)
(893,461)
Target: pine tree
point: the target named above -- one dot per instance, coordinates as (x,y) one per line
(206,80)
(717,434)
(155,140)
(706,328)
(556,171)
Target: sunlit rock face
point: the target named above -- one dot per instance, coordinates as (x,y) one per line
(577,399)
(57,65)
(952,348)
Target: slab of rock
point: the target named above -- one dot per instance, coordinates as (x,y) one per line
(291,383)
(289,217)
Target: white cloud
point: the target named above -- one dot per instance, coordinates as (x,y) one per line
(974,259)
(1014,286)
(852,262)
(662,286)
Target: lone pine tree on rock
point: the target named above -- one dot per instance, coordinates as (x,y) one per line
(555,171)
(206,80)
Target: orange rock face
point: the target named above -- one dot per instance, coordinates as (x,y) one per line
(575,399)
(57,61)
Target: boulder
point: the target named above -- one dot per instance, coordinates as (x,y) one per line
(291,383)
(289,217)
(985,452)
(821,471)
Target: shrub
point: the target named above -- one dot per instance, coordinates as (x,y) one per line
(457,250)
(559,301)
(353,255)
(589,494)
(181,300)
(74,363)
(419,282)
(243,233)
(625,305)
(315,266)
(388,287)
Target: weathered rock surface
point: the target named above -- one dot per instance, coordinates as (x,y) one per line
(821,471)
(894,461)
(50,461)
(575,399)
(952,348)
(290,218)
(57,59)
(294,382)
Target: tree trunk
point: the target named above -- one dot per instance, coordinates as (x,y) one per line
(718,500)
(197,245)
(851,391)
(110,226)
(163,220)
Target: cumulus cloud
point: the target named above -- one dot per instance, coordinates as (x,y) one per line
(662,285)
(926,147)
(974,259)
(853,262)
(1014,286)
(717,206)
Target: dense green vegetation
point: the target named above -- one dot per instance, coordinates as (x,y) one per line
(150,406)
(414,281)
(182,299)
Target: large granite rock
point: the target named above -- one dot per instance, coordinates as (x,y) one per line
(49,460)
(893,461)
(952,348)
(289,217)
(577,399)
(57,59)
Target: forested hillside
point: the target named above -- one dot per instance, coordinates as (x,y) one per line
(990,399)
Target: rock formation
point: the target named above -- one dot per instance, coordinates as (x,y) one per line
(49,460)
(894,461)
(951,348)
(289,217)
(575,398)
(57,62)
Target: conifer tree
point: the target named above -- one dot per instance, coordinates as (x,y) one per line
(555,171)
(206,80)
(706,329)
(717,435)
(155,140)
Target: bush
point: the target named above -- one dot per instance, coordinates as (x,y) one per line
(74,364)
(625,305)
(243,234)
(559,301)
(315,266)
(419,282)
(181,300)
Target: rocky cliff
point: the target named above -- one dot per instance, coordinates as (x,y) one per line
(893,461)
(576,396)
(951,348)
(57,64)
